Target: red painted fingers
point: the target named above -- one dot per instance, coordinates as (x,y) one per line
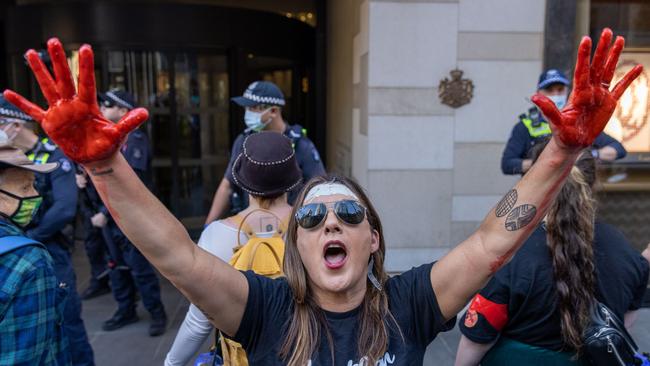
(600,56)
(612,60)
(581,74)
(620,87)
(132,120)
(23,104)
(62,75)
(548,108)
(87,89)
(43,76)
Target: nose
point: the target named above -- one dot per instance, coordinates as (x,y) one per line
(332,224)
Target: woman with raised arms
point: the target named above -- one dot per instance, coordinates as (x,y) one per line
(336,304)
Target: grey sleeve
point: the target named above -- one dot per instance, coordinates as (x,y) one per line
(235,151)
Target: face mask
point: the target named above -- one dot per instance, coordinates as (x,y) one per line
(559,100)
(4,139)
(253,120)
(7,132)
(27,208)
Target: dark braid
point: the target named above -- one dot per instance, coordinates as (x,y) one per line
(570,235)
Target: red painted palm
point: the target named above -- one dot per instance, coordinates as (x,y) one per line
(591,103)
(73,120)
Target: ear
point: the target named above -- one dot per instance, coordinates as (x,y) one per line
(374,241)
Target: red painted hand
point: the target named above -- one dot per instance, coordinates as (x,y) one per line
(591,103)
(73,120)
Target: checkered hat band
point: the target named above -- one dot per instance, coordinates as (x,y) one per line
(4,112)
(263,100)
(119,100)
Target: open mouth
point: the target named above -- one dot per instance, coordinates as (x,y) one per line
(335,254)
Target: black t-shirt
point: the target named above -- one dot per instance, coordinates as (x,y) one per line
(522,300)
(411,301)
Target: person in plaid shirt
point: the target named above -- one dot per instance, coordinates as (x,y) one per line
(31,298)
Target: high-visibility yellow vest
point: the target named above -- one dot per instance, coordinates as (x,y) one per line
(42,157)
(543,129)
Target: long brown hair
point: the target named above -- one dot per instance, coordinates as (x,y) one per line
(570,235)
(308,319)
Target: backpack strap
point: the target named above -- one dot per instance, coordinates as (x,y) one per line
(257,245)
(278,232)
(240,222)
(12,242)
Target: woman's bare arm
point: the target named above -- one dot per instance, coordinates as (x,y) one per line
(167,245)
(471,353)
(74,122)
(468,267)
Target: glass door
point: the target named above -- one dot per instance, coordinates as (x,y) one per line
(202,140)
(187,98)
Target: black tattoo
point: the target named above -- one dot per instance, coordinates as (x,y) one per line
(520,216)
(97,172)
(507,203)
(269,224)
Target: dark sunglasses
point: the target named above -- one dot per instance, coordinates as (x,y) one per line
(311,215)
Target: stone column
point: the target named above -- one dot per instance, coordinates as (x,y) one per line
(433,172)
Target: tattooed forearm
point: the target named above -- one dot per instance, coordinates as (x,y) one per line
(520,216)
(506,204)
(97,172)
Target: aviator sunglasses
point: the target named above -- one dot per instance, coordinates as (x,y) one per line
(311,215)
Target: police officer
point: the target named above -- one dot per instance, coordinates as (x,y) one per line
(263,102)
(532,128)
(93,213)
(52,224)
(114,104)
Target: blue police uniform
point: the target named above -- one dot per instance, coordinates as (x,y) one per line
(532,129)
(308,159)
(141,275)
(137,153)
(94,240)
(99,240)
(59,192)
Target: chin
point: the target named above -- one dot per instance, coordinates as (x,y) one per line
(337,282)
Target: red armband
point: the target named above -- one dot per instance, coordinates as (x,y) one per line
(495,314)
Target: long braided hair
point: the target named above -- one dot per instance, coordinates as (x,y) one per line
(570,235)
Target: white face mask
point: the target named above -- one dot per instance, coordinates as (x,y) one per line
(4,139)
(7,132)
(559,100)
(253,120)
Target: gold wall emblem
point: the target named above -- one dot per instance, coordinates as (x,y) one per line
(455,92)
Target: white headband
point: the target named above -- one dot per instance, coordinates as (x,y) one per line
(329,189)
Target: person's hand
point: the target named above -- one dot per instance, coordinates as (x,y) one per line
(591,103)
(73,120)
(99,220)
(81,180)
